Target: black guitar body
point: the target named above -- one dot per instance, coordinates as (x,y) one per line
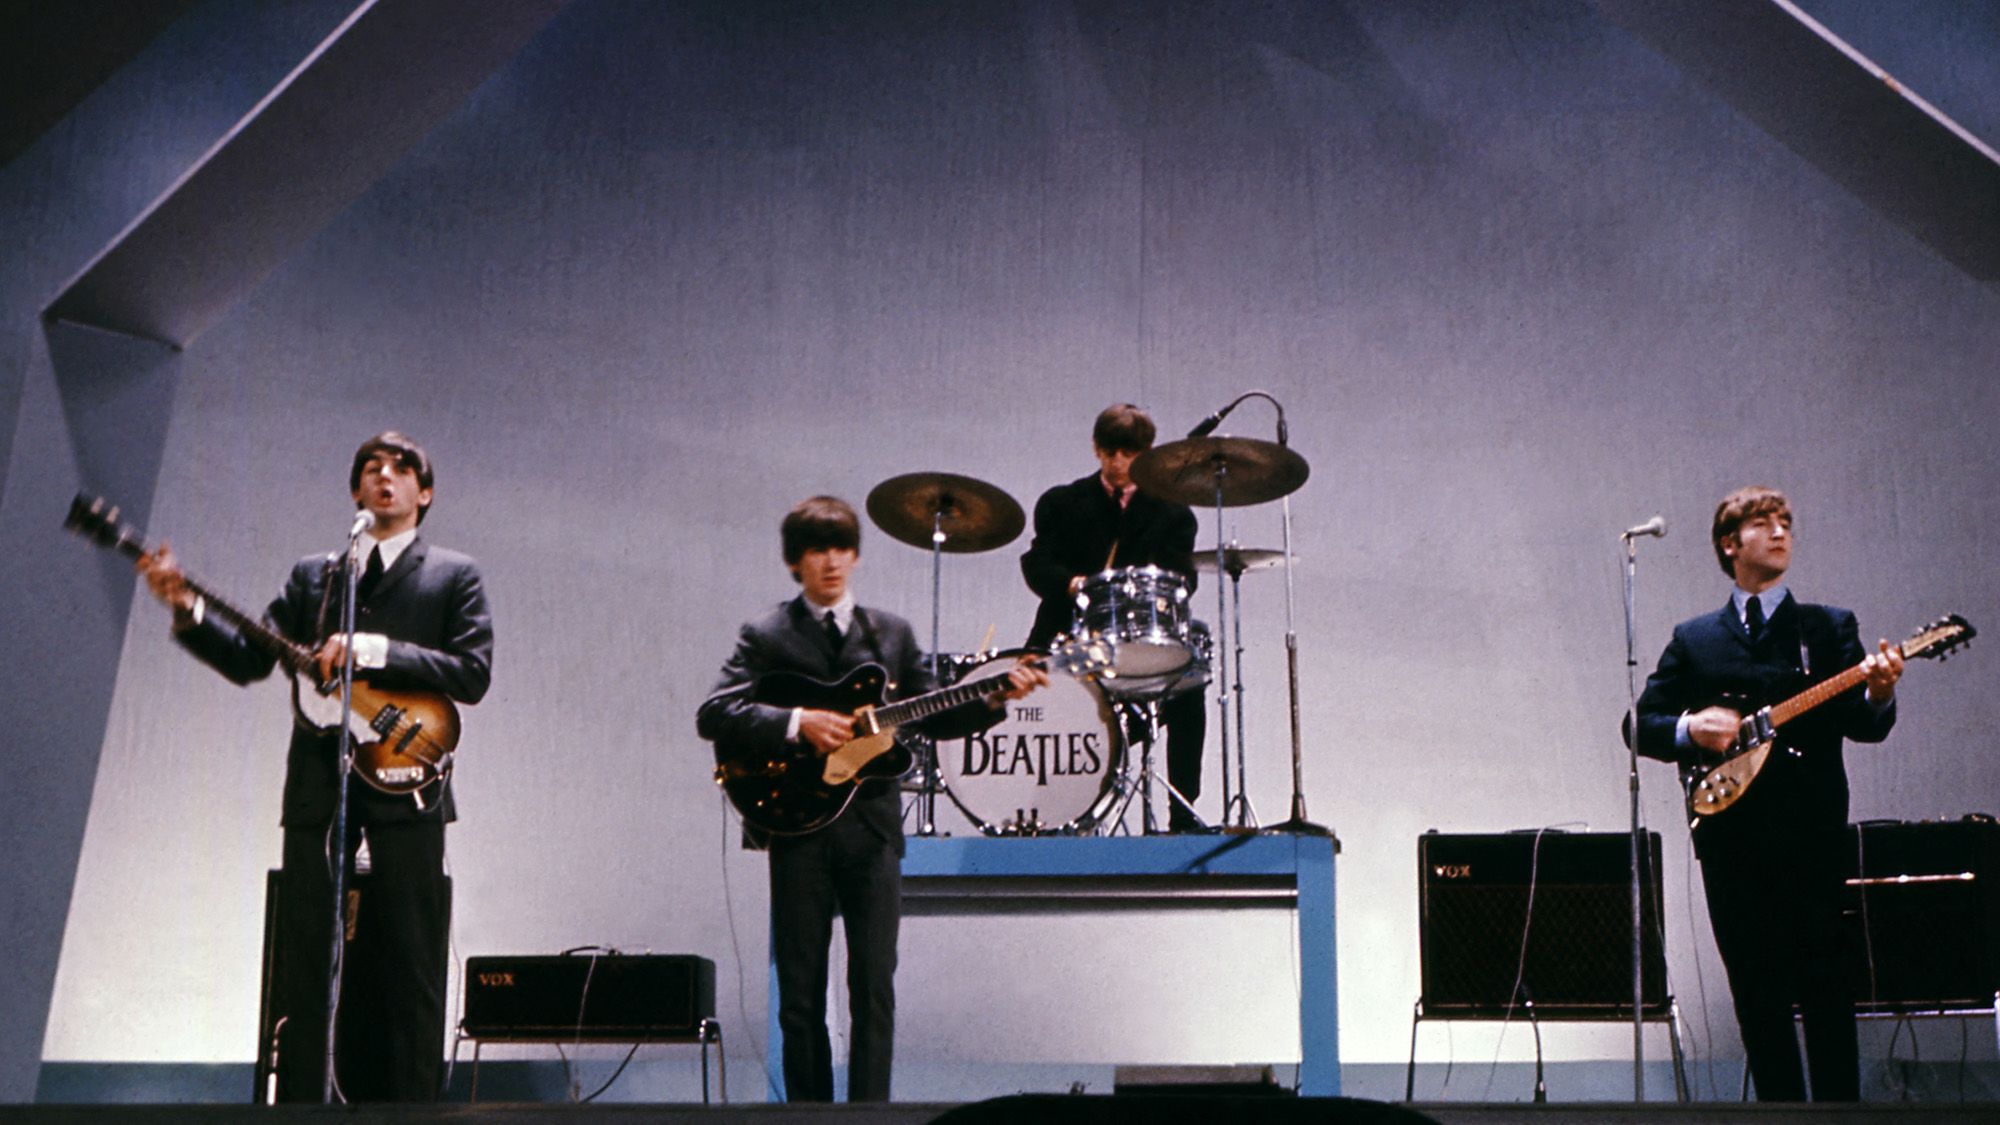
(784,790)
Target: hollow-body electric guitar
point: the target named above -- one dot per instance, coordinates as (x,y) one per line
(404,741)
(1712,788)
(793,789)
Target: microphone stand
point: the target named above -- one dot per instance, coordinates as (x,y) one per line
(336,958)
(1632,787)
(1297,824)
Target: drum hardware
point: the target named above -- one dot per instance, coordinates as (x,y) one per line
(1232,472)
(1236,561)
(942,512)
(1140,720)
(1200,669)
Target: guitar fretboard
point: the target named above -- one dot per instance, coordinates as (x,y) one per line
(936,702)
(106,531)
(1826,689)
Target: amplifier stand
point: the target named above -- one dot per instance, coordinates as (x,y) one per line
(1669,1014)
(1914,1011)
(710,1031)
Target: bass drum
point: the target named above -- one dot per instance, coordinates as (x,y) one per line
(1050,768)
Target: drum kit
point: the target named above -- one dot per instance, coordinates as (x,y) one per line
(1061,762)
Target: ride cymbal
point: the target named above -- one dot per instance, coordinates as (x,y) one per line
(973,515)
(1249,471)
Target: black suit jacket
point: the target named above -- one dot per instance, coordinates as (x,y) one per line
(1711,657)
(1075,526)
(431,605)
(791,639)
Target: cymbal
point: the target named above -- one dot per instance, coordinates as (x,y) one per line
(976,516)
(1239,560)
(1252,471)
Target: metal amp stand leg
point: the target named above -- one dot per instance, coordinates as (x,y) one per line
(1672,1018)
(707,1032)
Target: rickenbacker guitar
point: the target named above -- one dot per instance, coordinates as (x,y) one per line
(1713,788)
(793,790)
(404,741)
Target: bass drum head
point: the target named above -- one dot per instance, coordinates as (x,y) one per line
(1048,768)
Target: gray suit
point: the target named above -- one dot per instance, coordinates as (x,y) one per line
(852,867)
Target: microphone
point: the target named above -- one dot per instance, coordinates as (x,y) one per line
(1656,527)
(363,520)
(1207,425)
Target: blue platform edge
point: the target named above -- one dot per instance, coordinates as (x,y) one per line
(1306,860)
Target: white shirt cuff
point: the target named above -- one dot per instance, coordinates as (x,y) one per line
(792,725)
(371,650)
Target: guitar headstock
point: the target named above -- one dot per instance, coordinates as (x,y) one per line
(1082,657)
(96,519)
(1940,638)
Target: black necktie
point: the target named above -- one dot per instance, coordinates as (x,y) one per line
(370,576)
(832,631)
(1753,616)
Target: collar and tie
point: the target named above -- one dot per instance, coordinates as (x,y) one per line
(371,576)
(833,636)
(1753,618)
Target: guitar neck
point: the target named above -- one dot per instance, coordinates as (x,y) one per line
(295,657)
(935,703)
(1819,693)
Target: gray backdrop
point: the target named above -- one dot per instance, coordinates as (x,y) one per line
(1517,280)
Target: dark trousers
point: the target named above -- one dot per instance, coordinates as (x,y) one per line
(849,869)
(1774,904)
(1186,718)
(391,1033)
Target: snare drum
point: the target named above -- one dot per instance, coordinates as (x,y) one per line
(1048,768)
(1142,611)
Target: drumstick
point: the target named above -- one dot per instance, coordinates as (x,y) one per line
(986,642)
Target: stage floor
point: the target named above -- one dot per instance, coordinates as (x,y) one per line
(1045,1110)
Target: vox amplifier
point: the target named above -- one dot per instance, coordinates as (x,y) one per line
(1505,919)
(1923,912)
(614,997)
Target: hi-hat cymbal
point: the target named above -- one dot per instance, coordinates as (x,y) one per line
(1239,560)
(974,516)
(1250,471)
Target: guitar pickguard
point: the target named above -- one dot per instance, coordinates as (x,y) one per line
(1724,785)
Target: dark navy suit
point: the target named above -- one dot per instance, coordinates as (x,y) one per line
(1771,863)
(432,606)
(1076,526)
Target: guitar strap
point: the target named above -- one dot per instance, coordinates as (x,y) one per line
(868,636)
(328,572)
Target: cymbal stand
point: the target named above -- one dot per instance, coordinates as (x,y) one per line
(1246,814)
(1222,635)
(928,791)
